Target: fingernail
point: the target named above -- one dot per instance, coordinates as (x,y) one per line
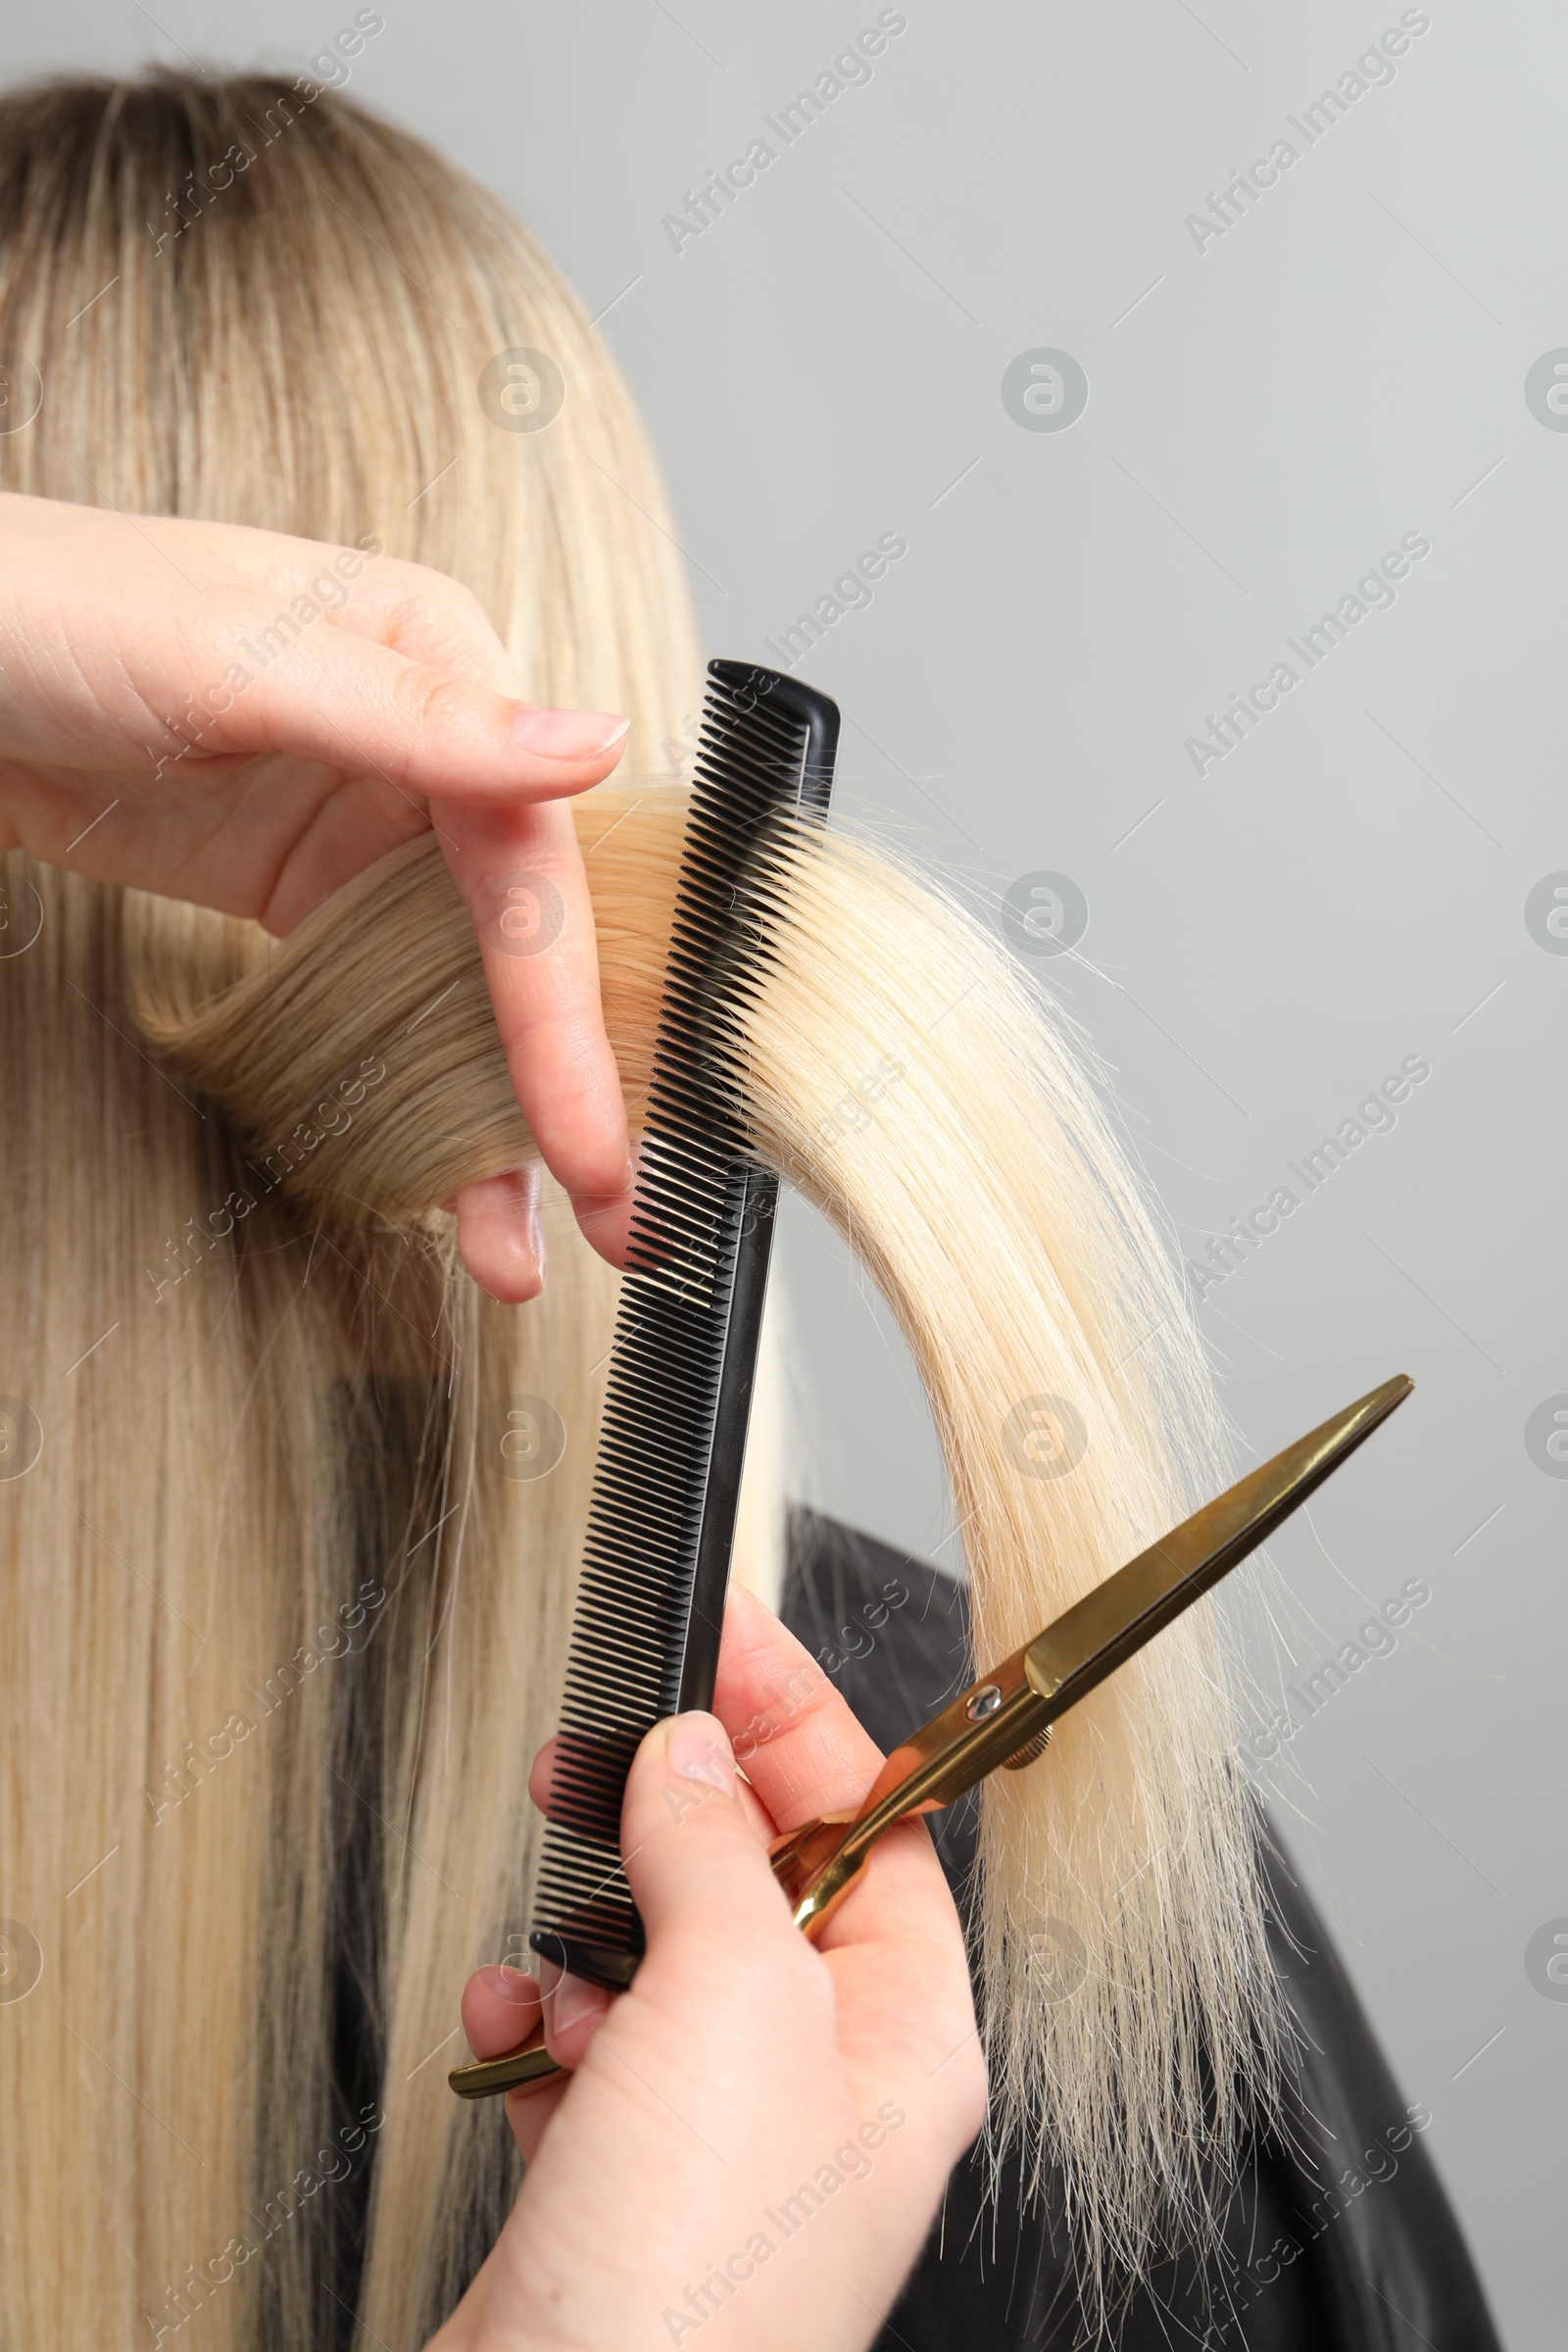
(568,734)
(508,1983)
(699,1750)
(536,1233)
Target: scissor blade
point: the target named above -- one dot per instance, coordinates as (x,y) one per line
(1095,1637)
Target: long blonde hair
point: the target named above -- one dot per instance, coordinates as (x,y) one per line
(280,1628)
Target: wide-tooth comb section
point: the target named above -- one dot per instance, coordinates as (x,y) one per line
(661,1520)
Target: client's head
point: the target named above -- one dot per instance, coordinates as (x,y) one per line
(232,1151)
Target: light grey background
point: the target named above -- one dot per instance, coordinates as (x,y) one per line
(1266,417)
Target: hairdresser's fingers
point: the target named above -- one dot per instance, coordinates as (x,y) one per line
(500,2009)
(805,1756)
(574,2012)
(502,2006)
(356,704)
(541,1780)
(524,883)
(694,1862)
(521,875)
(250,638)
(606,1223)
(804,1751)
(541,1775)
(726,1971)
(516,859)
(896,1985)
(529,2109)
(696,1891)
(431,617)
(499,1234)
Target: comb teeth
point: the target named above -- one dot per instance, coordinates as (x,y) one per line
(660,1519)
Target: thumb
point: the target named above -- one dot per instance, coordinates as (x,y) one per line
(693,1859)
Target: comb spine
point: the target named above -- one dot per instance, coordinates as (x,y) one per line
(661,1513)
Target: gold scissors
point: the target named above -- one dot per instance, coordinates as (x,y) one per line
(1006,1718)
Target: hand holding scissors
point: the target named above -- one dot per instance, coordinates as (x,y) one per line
(1005,1719)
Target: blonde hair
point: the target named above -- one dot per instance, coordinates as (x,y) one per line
(269,1398)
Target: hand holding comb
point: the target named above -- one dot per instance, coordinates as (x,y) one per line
(1006,1718)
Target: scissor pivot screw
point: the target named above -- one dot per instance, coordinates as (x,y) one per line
(986,1700)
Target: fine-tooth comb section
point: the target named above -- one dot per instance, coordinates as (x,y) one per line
(662,1516)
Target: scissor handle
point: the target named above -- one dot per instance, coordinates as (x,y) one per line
(487,2078)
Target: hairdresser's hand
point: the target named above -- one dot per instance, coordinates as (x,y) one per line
(249,720)
(759,2127)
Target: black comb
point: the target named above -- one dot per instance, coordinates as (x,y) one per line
(662,1516)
